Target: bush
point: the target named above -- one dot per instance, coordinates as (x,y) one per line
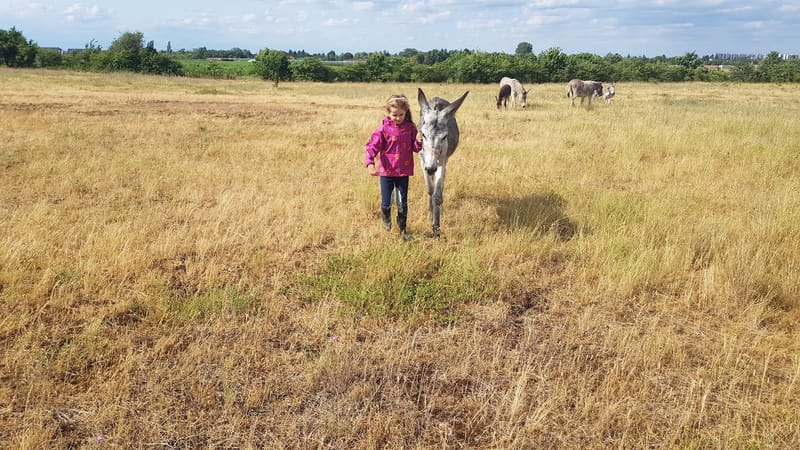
(311,69)
(272,65)
(15,51)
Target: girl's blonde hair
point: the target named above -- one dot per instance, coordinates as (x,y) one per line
(399,101)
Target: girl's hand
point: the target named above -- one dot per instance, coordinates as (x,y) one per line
(419,137)
(372,170)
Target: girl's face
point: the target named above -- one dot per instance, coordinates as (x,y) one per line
(398,115)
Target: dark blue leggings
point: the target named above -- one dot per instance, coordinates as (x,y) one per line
(389,184)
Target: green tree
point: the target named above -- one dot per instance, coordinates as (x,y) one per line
(15,51)
(378,67)
(408,53)
(627,69)
(311,69)
(554,64)
(793,68)
(524,48)
(355,72)
(433,56)
(155,63)
(586,66)
(690,61)
(49,58)
(126,52)
(672,72)
(480,67)
(744,70)
(526,68)
(435,73)
(401,68)
(86,59)
(718,75)
(774,69)
(272,65)
(701,74)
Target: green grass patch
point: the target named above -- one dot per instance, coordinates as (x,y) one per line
(202,68)
(404,282)
(210,302)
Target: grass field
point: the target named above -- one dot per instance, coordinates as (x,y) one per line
(190,263)
(201,68)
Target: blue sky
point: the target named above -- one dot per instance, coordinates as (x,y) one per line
(627,27)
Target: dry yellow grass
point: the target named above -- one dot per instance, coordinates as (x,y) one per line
(199,264)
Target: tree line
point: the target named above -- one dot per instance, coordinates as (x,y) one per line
(129,52)
(126,53)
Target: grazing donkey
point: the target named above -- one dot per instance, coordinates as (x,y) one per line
(608,93)
(517,91)
(580,88)
(502,97)
(439,129)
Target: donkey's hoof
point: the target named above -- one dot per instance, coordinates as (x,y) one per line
(436,233)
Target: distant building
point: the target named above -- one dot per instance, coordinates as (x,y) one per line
(751,56)
(723,67)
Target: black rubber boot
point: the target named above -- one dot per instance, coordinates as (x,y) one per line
(386,219)
(401,224)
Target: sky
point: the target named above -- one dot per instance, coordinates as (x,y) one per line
(627,27)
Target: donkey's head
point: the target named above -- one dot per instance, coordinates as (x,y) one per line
(439,130)
(597,89)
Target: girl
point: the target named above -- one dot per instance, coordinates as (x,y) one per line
(393,145)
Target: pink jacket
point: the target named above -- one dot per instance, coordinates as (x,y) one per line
(394,148)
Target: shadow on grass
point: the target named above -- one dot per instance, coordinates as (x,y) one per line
(541,213)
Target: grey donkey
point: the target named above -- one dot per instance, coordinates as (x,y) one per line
(439,129)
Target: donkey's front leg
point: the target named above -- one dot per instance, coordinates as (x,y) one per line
(437,198)
(429,183)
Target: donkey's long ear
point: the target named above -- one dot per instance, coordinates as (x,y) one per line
(453,107)
(423,101)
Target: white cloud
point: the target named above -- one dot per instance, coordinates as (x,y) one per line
(757,25)
(551,3)
(338,22)
(432,18)
(22,9)
(79,12)
(363,6)
(538,21)
(412,7)
(480,24)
